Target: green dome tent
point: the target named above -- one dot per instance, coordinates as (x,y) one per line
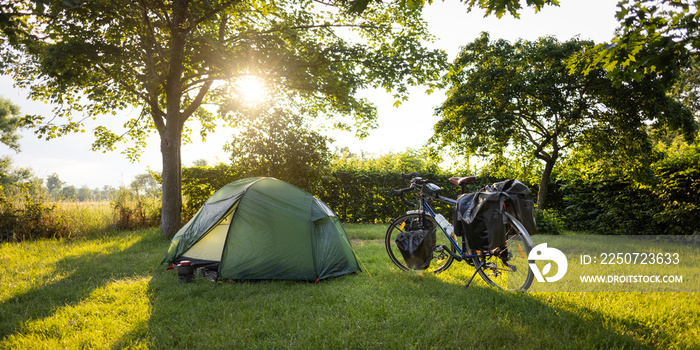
(264,228)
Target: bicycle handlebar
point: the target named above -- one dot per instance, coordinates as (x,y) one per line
(409,176)
(415,179)
(401,192)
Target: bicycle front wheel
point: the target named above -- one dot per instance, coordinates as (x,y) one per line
(441,259)
(508,268)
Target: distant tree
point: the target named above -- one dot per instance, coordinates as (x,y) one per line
(200,162)
(97,194)
(145,184)
(5,168)
(108,192)
(14,180)
(522,97)
(84,194)
(54,184)
(69,193)
(10,120)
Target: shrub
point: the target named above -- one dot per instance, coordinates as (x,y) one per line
(678,190)
(133,211)
(29,218)
(548,222)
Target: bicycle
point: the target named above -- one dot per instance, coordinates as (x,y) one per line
(505,267)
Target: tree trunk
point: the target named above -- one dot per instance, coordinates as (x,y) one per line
(544,182)
(171,136)
(170,143)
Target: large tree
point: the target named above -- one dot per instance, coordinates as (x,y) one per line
(171,57)
(522,97)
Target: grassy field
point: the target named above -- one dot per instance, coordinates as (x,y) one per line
(109,291)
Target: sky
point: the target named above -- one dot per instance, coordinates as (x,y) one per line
(408,126)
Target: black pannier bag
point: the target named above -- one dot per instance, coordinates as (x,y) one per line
(522,206)
(481,219)
(480,216)
(416,243)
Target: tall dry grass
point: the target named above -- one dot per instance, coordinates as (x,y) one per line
(85,218)
(29,217)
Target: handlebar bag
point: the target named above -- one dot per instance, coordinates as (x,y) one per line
(431,189)
(416,245)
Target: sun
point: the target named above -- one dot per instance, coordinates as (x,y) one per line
(252,89)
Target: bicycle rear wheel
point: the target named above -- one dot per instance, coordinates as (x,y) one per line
(508,268)
(441,259)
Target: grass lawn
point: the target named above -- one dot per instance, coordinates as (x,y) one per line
(110,292)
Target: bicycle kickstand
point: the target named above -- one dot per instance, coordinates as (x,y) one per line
(474,275)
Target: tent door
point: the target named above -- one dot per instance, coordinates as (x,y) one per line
(211,245)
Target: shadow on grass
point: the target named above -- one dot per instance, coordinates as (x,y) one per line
(390,310)
(82,274)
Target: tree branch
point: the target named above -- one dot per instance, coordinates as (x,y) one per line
(154,42)
(197,100)
(210,14)
(539,145)
(156,112)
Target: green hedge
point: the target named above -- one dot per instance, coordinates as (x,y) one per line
(665,203)
(200,182)
(365,196)
(359,191)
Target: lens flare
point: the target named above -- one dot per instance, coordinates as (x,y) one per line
(252,89)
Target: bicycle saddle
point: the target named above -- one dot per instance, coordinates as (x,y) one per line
(458,181)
